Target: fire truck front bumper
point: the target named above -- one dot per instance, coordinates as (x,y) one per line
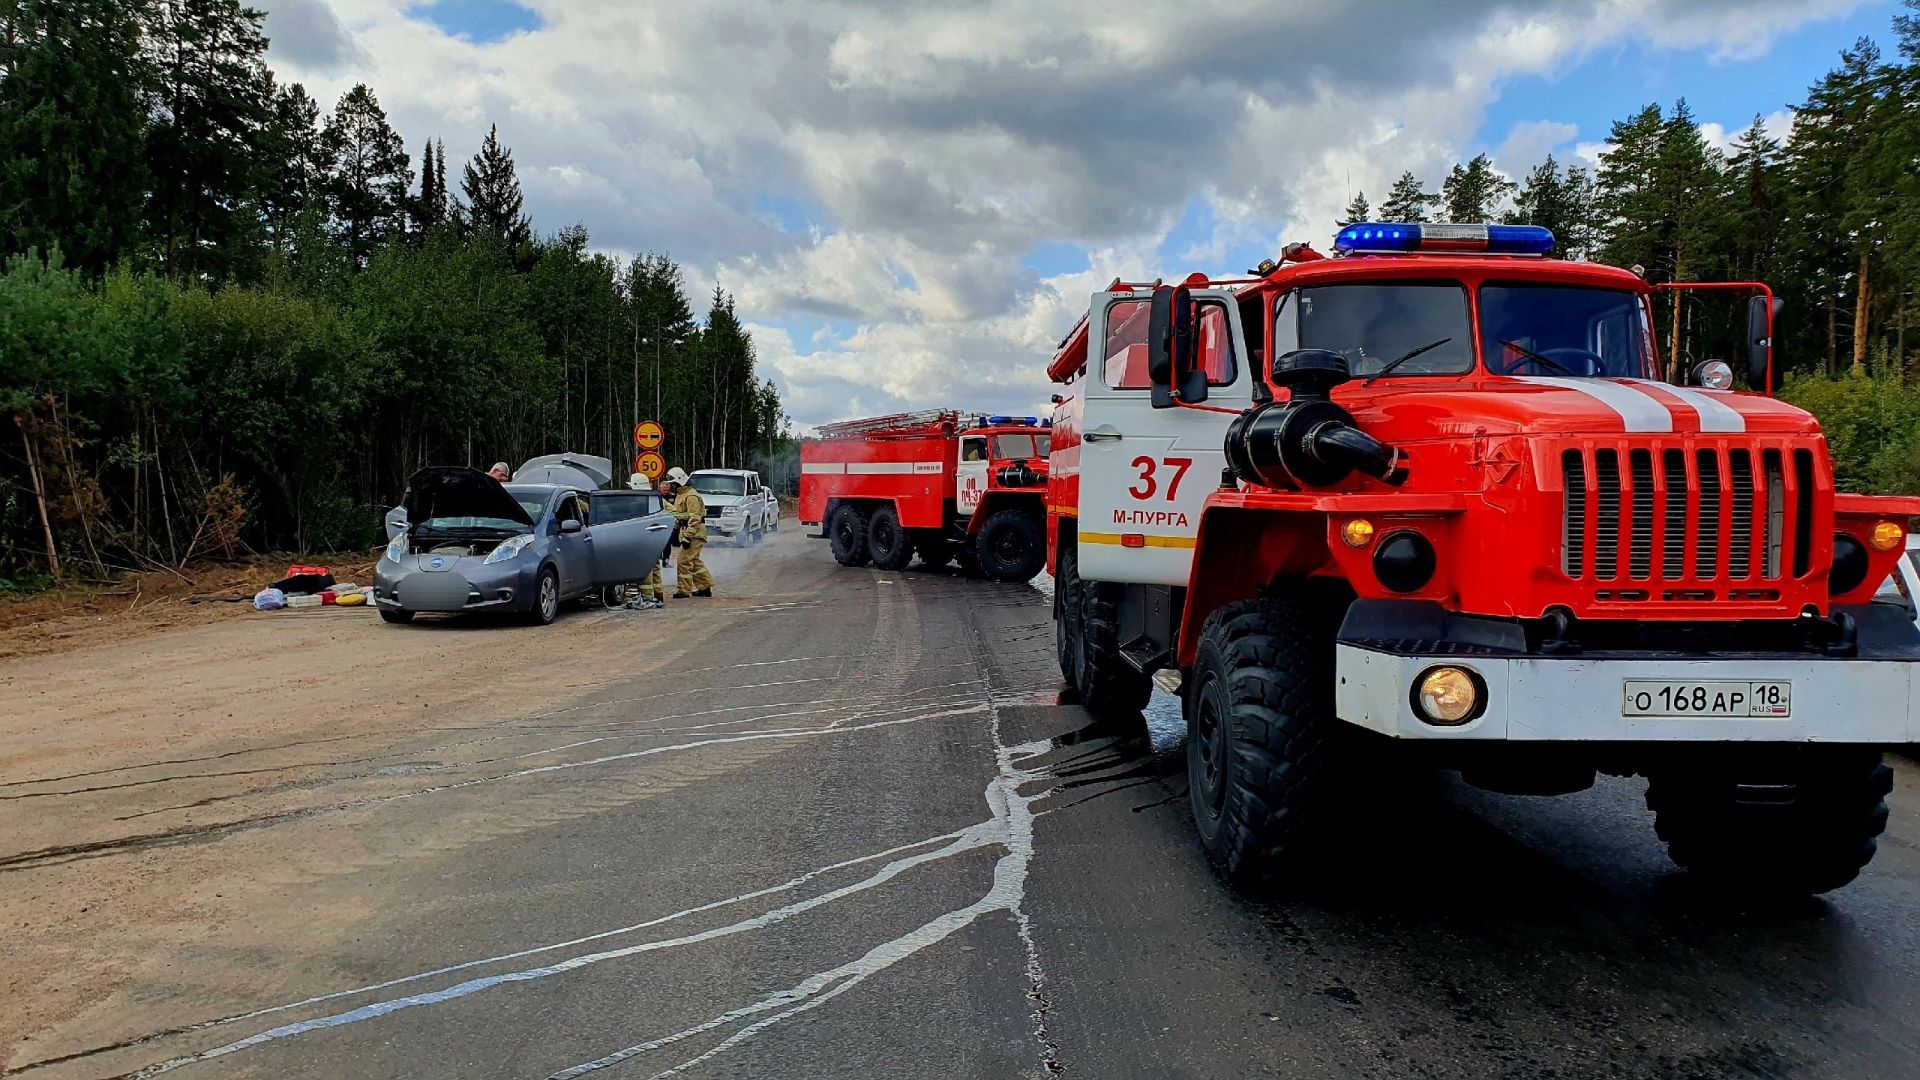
(1392,657)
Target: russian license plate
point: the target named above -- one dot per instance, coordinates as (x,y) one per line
(1712,699)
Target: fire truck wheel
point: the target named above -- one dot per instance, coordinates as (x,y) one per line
(1265,754)
(1107,684)
(848,531)
(1011,546)
(1066,612)
(890,545)
(1790,822)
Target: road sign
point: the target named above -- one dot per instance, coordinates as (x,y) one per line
(650,465)
(648,435)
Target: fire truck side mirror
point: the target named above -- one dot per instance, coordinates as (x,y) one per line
(1171,349)
(1762,376)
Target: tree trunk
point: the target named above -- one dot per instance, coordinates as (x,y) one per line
(1833,336)
(40,497)
(1673,356)
(1860,300)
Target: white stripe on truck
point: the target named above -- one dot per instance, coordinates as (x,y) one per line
(890,468)
(834,468)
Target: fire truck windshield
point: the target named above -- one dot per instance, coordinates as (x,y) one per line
(1018,446)
(1374,323)
(1561,330)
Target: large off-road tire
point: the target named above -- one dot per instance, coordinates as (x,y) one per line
(847,530)
(1773,821)
(1105,682)
(1266,757)
(396,615)
(889,545)
(546,598)
(1066,612)
(1012,546)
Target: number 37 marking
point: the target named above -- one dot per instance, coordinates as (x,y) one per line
(1149,481)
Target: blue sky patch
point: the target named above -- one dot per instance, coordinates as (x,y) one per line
(1614,83)
(482,22)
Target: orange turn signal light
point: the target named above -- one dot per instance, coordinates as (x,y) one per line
(1357,533)
(1886,536)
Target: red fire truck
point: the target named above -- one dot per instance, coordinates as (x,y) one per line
(942,484)
(1429,501)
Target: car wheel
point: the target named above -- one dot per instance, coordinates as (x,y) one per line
(396,615)
(546,598)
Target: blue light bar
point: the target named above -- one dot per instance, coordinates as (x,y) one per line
(1368,237)
(997,421)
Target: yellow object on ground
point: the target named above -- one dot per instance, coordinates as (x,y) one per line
(352,599)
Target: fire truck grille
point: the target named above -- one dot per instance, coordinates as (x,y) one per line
(1700,516)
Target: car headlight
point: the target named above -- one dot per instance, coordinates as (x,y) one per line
(508,549)
(397,548)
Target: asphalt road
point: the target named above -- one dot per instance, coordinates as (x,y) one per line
(837,823)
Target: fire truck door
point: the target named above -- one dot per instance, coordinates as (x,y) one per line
(970,478)
(1145,472)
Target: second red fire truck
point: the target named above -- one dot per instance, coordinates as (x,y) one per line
(1430,501)
(940,484)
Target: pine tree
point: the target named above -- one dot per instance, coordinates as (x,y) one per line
(1755,211)
(494,202)
(1474,191)
(1629,207)
(1557,202)
(1406,203)
(295,166)
(213,102)
(72,124)
(371,176)
(1357,210)
(431,208)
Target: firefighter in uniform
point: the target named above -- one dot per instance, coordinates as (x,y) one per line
(691,576)
(653,588)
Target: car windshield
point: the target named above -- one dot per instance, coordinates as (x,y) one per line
(1376,323)
(719,484)
(1560,330)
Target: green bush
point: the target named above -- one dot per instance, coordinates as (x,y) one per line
(1872,424)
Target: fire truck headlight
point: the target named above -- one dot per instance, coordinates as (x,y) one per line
(1714,375)
(1447,695)
(1887,535)
(1849,565)
(1404,562)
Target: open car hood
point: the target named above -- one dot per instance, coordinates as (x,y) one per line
(584,471)
(450,491)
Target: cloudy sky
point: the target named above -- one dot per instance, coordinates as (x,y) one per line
(912,201)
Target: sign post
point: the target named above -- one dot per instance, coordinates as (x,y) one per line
(648,436)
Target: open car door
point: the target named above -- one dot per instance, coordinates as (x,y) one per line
(630,531)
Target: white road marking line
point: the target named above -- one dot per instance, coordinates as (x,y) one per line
(1012,821)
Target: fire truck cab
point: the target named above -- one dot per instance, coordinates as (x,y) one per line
(942,484)
(1428,500)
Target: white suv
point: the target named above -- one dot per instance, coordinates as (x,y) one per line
(738,504)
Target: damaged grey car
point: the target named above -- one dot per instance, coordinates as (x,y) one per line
(473,544)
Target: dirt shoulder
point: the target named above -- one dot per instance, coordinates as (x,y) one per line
(157,601)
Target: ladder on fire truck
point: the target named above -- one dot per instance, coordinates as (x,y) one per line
(897,423)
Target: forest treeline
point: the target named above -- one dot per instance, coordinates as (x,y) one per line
(231,319)
(1829,216)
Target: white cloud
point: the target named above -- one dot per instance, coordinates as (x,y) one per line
(937,144)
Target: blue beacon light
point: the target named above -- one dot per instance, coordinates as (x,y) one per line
(1363,237)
